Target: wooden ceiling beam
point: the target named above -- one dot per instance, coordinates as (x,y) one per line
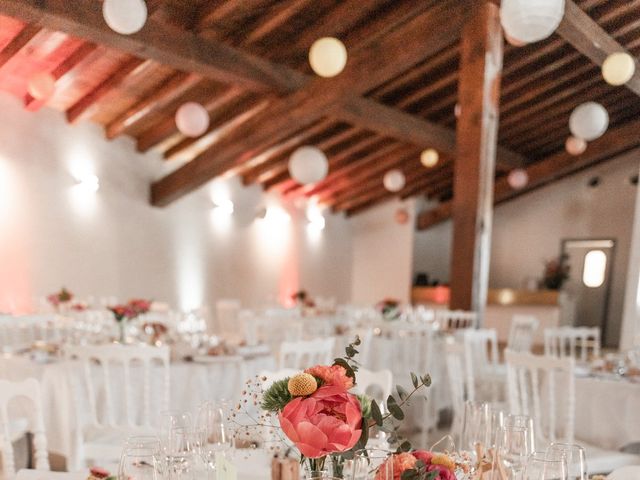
(615,142)
(590,39)
(18,43)
(171,89)
(61,71)
(86,106)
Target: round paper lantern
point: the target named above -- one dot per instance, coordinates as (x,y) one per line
(429,157)
(575,145)
(589,121)
(528,21)
(514,41)
(401,216)
(618,68)
(125,16)
(394,180)
(328,56)
(518,178)
(308,165)
(192,119)
(41,85)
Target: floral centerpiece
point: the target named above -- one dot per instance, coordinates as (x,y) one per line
(63,297)
(556,272)
(389,308)
(128,311)
(302,299)
(419,465)
(317,412)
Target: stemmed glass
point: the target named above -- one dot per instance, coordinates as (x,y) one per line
(476,429)
(366,464)
(139,463)
(522,421)
(213,434)
(575,457)
(540,467)
(511,452)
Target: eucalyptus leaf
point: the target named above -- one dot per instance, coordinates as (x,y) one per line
(394,409)
(409,475)
(426,380)
(414,380)
(402,393)
(376,414)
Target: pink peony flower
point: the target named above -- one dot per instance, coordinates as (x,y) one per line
(329,421)
(334,375)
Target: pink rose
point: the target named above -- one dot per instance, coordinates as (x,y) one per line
(329,421)
(332,375)
(445,473)
(424,456)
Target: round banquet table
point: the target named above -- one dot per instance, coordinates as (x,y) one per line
(607,411)
(190,384)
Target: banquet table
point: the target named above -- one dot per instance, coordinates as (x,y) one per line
(607,411)
(192,383)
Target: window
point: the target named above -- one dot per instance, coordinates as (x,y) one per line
(595,266)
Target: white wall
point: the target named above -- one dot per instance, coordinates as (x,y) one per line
(529,229)
(382,252)
(115,243)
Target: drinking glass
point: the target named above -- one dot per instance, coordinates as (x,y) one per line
(213,434)
(539,467)
(522,421)
(366,464)
(496,421)
(511,453)
(181,457)
(475,431)
(138,463)
(575,457)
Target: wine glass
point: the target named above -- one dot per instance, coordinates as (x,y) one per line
(522,421)
(213,434)
(138,463)
(475,431)
(540,467)
(575,457)
(496,421)
(511,452)
(367,463)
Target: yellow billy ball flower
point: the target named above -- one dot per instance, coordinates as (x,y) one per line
(302,384)
(444,460)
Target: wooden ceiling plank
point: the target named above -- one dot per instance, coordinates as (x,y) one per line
(280,14)
(590,39)
(562,164)
(18,43)
(84,107)
(170,89)
(163,43)
(65,68)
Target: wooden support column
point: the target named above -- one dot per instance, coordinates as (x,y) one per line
(474,169)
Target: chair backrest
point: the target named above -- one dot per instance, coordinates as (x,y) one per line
(114,372)
(456,319)
(29,389)
(543,387)
(572,342)
(227,317)
(521,333)
(306,353)
(454,353)
(481,359)
(377,385)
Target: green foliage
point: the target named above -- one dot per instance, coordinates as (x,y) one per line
(365,405)
(348,362)
(376,414)
(277,396)
(419,472)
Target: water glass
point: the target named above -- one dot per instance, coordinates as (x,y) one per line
(540,467)
(575,457)
(511,452)
(213,434)
(522,421)
(138,463)
(476,427)
(367,463)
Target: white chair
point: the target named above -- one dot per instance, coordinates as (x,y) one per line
(306,353)
(111,380)
(227,318)
(456,319)
(571,341)
(454,352)
(29,389)
(484,381)
(543,387)
(521,333)
(377,385)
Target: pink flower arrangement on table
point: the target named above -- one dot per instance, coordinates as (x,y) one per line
(131,309)
(318,413)
(419,465)
(63,296)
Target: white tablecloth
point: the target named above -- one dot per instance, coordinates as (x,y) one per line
(191,384)
(607,412)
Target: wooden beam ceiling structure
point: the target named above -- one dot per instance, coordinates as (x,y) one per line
(246,63)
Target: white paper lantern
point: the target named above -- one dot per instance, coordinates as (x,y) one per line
(575,145)
(528,21)
(125,16)
(429,158)
(589,121)
(41,86)
(308,165)
(518,178)
(394,180)
(618,68)
(192,119)
(328,56)
(514,41)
